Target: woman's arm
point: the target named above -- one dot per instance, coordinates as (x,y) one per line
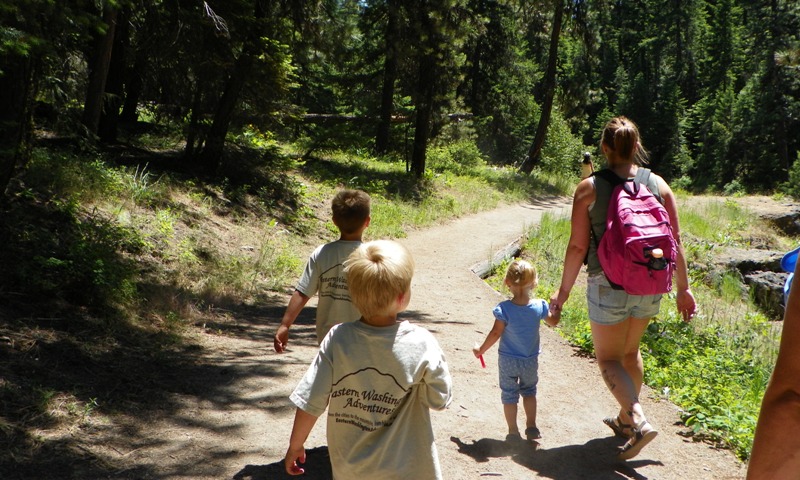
(776,445)
(684,299)
(578,243)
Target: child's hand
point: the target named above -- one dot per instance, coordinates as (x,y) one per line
(293,456)
(281,339)
(553,319)
(476,351)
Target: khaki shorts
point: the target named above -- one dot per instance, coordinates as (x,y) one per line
(608,306)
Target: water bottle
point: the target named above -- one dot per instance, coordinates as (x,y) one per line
(587,167)
(657,260)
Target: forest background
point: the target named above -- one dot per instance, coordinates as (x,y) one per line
(243,103)
(714,85)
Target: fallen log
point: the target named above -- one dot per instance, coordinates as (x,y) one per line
(485,268)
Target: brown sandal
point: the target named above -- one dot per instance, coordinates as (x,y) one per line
(532,433)
(622,430)
(643,434)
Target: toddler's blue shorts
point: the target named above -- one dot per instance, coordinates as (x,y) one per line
(518,377)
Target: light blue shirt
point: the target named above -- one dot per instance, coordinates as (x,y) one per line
(520,337)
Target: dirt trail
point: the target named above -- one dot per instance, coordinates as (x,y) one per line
(240,428)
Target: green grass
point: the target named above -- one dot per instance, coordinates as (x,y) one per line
(400,203)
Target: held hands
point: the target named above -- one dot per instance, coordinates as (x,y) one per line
(557,302)
(686,304)
(554,318)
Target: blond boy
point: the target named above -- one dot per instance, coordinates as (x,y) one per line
(377,377)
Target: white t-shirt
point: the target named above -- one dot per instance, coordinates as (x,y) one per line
(324,275)
(378,384)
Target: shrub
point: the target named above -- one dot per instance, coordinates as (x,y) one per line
(734,188)
(462,158)
(792,187)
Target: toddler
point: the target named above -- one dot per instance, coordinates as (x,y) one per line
(516,325)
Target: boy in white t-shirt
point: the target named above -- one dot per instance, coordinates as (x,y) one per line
(378,378)
(324,274)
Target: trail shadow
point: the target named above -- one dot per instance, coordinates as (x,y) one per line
(430,320)
(259,322)
(485,448)
(317,467)
(596,459)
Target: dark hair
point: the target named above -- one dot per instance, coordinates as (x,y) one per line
(621,136)
(351,209)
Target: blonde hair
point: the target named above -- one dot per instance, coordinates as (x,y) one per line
(378,272)
(351,209)
(621,136)
(521,274)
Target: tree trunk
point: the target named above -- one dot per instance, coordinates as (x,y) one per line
(16,93)
(133,88)
(215,140)
(535,151)
(134,80)
(424,111)
(389,77)
(115,81)
(193,137)
(98,73)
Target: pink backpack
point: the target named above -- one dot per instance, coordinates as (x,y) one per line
(637,250)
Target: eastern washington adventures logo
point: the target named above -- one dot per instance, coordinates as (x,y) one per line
(368,409)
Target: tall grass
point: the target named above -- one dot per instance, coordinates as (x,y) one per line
(119,214)
(716,368)
(157,219)
(457,184)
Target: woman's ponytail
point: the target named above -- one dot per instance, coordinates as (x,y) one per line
(621,136)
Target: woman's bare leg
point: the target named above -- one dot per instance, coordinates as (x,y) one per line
(617,351)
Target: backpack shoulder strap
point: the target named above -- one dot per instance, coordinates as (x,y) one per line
(610,177)
(603,189)
(642,176)
(645,176)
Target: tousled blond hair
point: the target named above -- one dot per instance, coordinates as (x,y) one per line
(521,273)
(378,272)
